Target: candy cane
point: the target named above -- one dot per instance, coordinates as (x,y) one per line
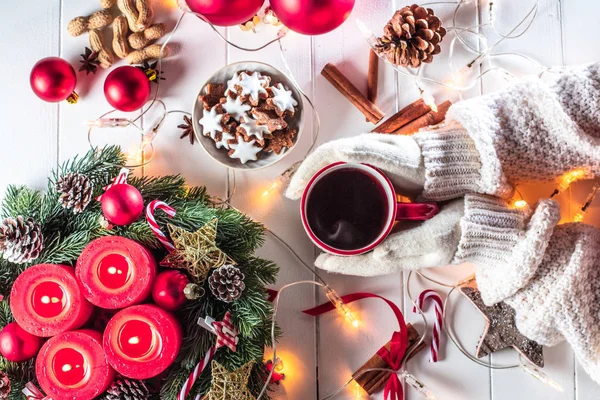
(119,179)
(187,386)
(437,323)
(150,210)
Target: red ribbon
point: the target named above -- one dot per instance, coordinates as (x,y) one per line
(398,344)
(33,393)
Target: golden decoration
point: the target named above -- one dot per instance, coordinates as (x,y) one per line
(196,252)
(230,385)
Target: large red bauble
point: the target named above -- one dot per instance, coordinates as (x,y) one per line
(226,12)
(127,88)
(18,345)
(312,17)
(167,290)
(53,79)
(122,204)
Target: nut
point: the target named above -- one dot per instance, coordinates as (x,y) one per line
(148,53)
(97,20)
(105,56)
(139,40)
(119,44)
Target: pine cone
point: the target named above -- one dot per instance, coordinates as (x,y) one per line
(75,191)
(411,37)
(227,283)
(127,389)
(4,386)
(21,240)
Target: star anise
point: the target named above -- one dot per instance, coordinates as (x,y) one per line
(89,61)
(151,71)
(188,129)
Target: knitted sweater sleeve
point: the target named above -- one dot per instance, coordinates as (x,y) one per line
(531,132)
(549,273)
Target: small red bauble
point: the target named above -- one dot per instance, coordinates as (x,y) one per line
(18,345)
(122,204)
(53,79)
(127,88)
(226,12)
(312,17)
(167,290)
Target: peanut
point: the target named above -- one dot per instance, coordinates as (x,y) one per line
(97,44)
(145,14)
(148,53)
(97,20)
(106,4)
(139,40)
(119,43)
(126,7)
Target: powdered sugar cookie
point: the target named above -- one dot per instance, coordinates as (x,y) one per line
(251,128)
(252,86)
(244,151)
(235,107)
(282,100)
(212,121)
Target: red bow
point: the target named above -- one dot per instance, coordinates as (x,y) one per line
(33,393)
(399,343)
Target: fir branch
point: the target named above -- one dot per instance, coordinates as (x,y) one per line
(20,200)
(65,250)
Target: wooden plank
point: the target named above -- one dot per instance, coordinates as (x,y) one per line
(29,125)
(297,346)
(577,50)
(513,383)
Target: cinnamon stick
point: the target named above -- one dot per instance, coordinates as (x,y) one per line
(373,76)
(431,118)
(351,92)
(372,381)
(403,117)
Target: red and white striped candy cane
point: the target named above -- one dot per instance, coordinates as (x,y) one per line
(119,179)
(187,386)
(437,323)
(150,210)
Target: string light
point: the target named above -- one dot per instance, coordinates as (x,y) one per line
(519,203)
(567,179)
(339,304)
(418,386)
(588,201)
(537,374)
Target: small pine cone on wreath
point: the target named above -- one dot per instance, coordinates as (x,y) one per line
(21,240)
(411,37)
(4,386)
(127,389)
(75,191)
(227,283)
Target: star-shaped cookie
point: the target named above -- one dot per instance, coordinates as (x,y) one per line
(230,385)
(196,251)
(500,330)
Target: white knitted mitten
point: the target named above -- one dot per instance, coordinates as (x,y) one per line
(531,132)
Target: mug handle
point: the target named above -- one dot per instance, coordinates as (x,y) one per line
(416,211)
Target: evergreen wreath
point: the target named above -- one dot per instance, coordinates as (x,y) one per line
(65,235)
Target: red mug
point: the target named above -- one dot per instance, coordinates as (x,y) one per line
(396,211)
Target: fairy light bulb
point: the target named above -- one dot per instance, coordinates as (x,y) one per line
(279,366)
(429,100)
(567,179)
(578,217)
(539,375)
(108,123)
(339,304)
(519,203)
(418,386)
(281,181)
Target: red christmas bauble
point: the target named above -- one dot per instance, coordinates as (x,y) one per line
(122,204)
(53,79)
(226,12)
(18,345)
(127,88)
(167,290)
(312,17)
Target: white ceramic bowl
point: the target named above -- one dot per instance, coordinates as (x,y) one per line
(222,76)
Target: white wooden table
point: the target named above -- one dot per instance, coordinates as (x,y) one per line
(319,355)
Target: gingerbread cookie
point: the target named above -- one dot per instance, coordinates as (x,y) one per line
(213,121)
(268,118)
(280,141)
(250,128)
(282,100)
(235,107)
(244,151)
(252,87)
(213,95)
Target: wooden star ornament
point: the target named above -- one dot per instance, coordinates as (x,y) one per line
(197,251)
(500,330)
(230,385)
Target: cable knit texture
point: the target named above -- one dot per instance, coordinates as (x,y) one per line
(531,132)
(562,299)
(505,244)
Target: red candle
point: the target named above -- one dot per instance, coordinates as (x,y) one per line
(115,272)
(72,365)
(46,299)
(142,341)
